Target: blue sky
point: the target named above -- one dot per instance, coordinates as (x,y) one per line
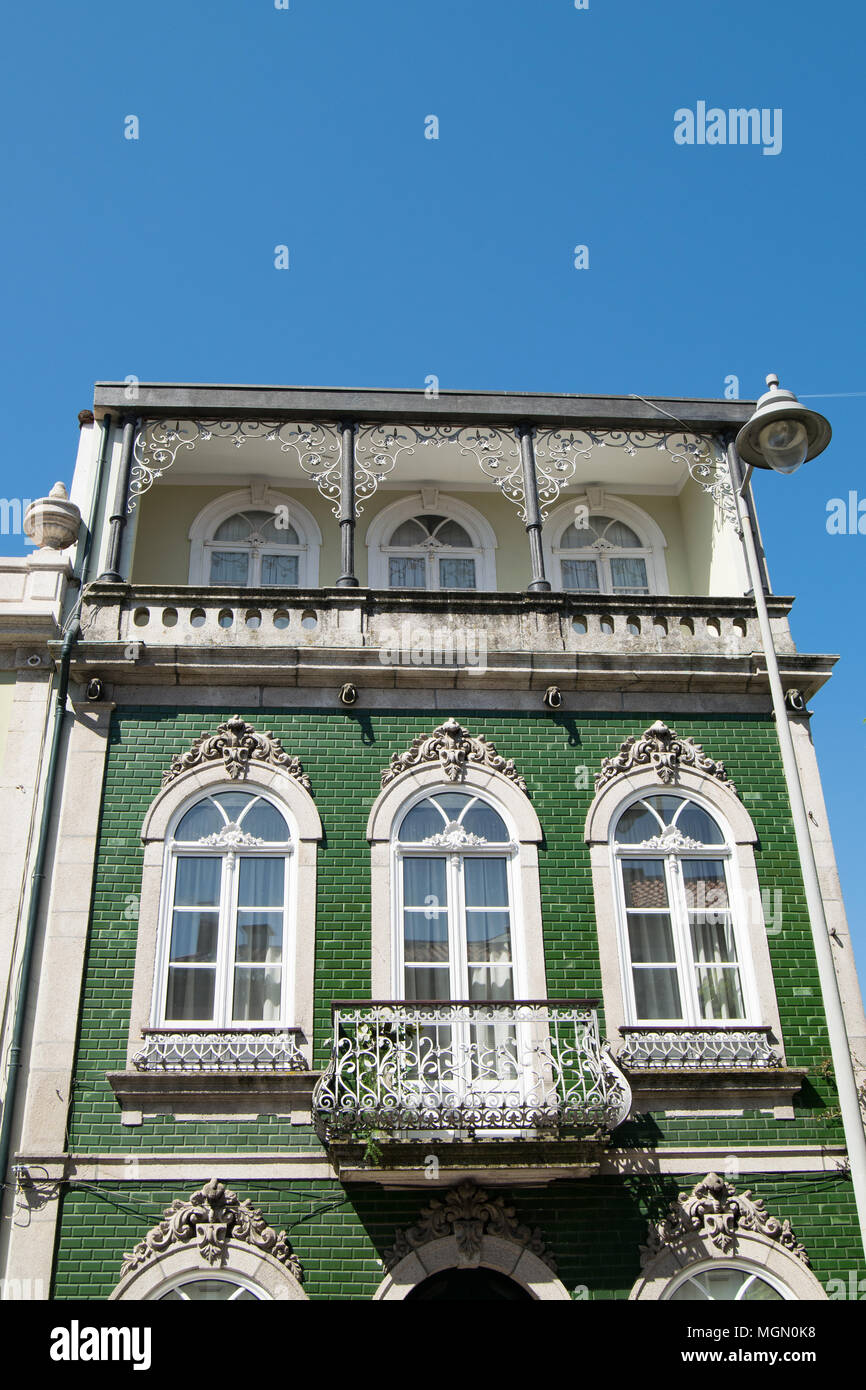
(410,256)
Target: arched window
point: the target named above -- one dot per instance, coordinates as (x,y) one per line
(225,958)
(455,865)
(611,547)
(255,538)
(726,1281)
(217,1288)
(678,915)
(431,542)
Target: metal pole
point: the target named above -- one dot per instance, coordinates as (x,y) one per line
(849,1101)
(347,578)
(117,521)
(539,583)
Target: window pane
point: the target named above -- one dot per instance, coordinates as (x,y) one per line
(265,822)
(229,566)
(482,820)
(200,820)
(257,994)
(491,982)
(280,569)
(452,533)
(636,825)
(695,823)
(235,528)
(486,882)
(424,883)
(628,575)
(407,572)
(656,993)
(457,574)
(618,534)
(234,803)
(194,936)
(190,995)
(488,937)
(209,1291)
(262,882)
(644,881)
(719,992)
(427,982)
(574,538)
(280,535)
(580,574)
(651,938)
(425,938)
(197,883)
(706,889)
(259,937)
(409,533)
(421,822)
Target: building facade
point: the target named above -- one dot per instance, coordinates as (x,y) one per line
(421,914)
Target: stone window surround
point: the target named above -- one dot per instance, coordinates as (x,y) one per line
(306,830)
(608,504)
(754,1252)
(254,1267)
(506,1257)
(255,497)
(390,517)
(741,836)
(520,817)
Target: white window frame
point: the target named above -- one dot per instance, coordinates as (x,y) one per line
(520,818)
(600,503)
(255,497)
(671,858)
(726,808)
(227,930)
(479,530)
(457,938)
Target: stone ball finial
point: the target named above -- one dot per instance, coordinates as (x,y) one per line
(53,521)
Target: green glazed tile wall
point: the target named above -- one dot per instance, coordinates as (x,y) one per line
(344,753)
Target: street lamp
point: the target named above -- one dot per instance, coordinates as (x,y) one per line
(781,435)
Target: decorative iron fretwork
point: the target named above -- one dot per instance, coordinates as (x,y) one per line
(715,1210)
(455,751)
(272,1050)
(316,447)
(497,452)
(236,744)
(404,1068)
(706,1049)
(665,752)
(468,1213)
(208,1220)
(557,452)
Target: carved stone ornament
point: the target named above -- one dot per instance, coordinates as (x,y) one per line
(236,744)
(455,751)
(714,1209)
(208,1221)
(454,836)
(665,752)
(468,1213)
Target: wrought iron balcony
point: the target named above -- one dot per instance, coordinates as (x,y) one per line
(705,1048)
(464,1069)
(225,1050)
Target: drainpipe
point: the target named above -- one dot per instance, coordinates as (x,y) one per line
(117,521)
(38,880)
(71,636)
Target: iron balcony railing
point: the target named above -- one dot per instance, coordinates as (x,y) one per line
(219,1049)
(403,1070)
(705,1048)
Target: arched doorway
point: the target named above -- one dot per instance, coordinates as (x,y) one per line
(468,1286)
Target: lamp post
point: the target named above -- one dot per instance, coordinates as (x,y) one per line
(781,435)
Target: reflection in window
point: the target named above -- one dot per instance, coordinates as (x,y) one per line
(726,1282)
(210,1291)
(225,946)
(679,931)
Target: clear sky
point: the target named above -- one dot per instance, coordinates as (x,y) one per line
(408,256)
